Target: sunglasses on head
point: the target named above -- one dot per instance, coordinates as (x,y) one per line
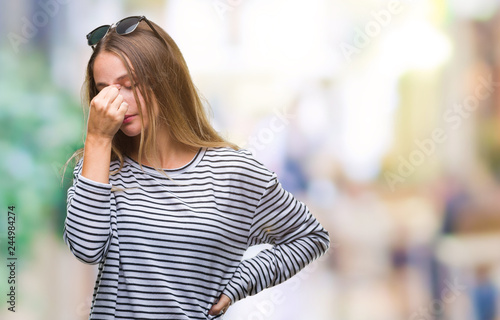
(122,27)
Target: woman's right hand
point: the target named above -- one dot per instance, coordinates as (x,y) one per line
(107,111)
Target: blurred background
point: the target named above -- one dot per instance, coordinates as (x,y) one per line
(382,116)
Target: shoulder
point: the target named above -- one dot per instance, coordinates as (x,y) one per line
(228,157)
(239,162)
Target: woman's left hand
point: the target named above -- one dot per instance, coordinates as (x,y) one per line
(220,306)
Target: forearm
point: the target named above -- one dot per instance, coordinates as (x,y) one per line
(274,266)
(297,239)
(87,228)
(96,158)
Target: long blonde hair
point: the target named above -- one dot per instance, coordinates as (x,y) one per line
(162,77)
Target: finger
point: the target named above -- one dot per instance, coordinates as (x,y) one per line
(117,102)
(101,99)
(221,306)
(99,96)
(105,91)
(111,95)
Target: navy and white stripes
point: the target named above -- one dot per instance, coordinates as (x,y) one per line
(167,248)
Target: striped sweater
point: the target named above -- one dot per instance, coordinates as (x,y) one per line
(168,248)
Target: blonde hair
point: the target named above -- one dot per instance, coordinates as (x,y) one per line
(162,77)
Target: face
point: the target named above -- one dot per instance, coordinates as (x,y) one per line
(110,70)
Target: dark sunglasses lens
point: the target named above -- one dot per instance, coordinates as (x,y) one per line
(97,35)
(127,25)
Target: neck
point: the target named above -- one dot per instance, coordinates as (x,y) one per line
(170,153)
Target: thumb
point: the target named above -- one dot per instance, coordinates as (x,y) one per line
(221,305)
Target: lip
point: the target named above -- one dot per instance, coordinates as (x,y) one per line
(128,118)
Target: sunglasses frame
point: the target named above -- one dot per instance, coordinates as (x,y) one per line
(115,25)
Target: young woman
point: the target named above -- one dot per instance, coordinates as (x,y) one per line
(161,202)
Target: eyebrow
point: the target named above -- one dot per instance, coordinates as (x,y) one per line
(120,78)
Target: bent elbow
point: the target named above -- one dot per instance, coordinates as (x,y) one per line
(84,254)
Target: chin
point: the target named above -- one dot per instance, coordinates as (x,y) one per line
(131,133)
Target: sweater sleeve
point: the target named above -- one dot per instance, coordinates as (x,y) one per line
(297,238)
(87,229)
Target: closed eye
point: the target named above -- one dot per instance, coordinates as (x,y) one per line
(129,87)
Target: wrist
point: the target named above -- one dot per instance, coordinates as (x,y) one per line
(98,140)
(96,158)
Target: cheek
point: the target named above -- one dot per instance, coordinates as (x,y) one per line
(128,96)
(143,106)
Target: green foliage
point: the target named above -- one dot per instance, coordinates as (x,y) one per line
(40,127)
